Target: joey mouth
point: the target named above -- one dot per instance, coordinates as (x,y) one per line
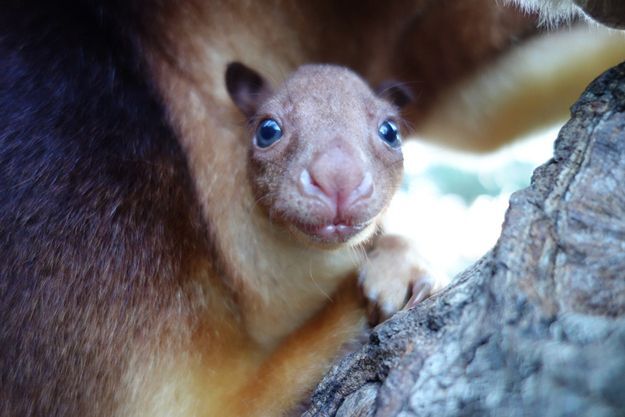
(330,233)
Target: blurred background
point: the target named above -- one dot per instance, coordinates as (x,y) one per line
(453,202)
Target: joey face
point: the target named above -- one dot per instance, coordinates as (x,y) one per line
(325,154)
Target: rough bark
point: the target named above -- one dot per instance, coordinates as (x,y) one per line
(537,326)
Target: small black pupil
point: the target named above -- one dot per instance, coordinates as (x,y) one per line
(389,132)
(268,130)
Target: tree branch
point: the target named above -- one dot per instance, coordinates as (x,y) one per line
(537,326)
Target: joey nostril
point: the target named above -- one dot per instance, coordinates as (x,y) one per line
(316,182)
(310,187)
(307,185)
(363,191)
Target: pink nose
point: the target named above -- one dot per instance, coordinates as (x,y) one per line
(338,179)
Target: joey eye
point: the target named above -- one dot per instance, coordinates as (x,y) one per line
(389,133)
(267,133)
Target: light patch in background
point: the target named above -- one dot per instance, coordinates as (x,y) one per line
(452,204)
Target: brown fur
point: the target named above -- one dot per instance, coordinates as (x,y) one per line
(294,317)
(156,285)
(399,40)
(198,43)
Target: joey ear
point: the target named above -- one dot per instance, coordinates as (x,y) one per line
(395,92)
(246,87)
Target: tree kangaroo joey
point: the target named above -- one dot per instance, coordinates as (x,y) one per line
(324,160)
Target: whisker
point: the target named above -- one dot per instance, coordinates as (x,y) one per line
(315,283)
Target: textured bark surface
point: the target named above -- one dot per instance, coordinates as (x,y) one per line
(537,326)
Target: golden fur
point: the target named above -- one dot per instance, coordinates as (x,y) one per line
(283,337)
(142,277)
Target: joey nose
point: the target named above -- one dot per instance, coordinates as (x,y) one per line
(338,178)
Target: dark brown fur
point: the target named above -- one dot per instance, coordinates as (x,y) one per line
(109,262)
(93,253)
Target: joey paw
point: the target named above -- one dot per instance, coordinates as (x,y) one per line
(392,278)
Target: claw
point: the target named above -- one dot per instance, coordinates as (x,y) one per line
(421,290)
(393,278)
